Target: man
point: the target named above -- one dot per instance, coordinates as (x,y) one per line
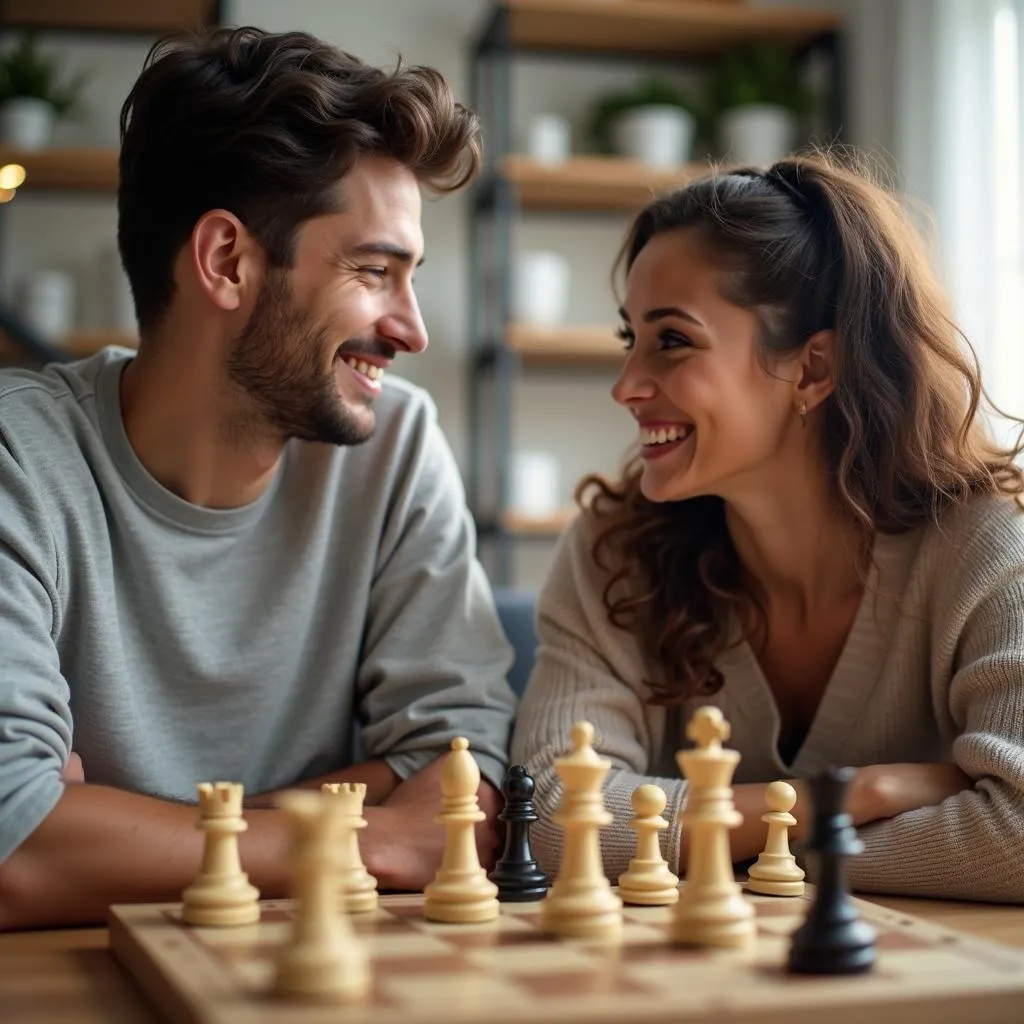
(221,555)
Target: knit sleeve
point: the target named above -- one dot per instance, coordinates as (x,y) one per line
(971,846)
(587,669)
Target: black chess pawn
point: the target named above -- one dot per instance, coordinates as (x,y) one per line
(833,939)
(516,874)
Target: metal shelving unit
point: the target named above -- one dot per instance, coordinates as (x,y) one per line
(81,171)
(690,33)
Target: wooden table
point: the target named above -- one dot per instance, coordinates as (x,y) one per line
(70,977)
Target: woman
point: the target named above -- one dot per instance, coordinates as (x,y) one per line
(818,536)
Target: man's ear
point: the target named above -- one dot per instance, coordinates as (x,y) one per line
(226,259)
(816,380)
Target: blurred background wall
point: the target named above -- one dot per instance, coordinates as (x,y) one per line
(930,87)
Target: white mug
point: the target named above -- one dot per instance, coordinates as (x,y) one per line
(541,292)
(48,303)
(534,485)
(549,140)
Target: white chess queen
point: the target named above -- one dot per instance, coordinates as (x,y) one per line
(816,534)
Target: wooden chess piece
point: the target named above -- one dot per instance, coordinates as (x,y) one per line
(358,888)
(711,910)
(517,875)
(460,893)
(220,895)
(776,872)
(833,938)
(581,903)
(323,959)
(648,881)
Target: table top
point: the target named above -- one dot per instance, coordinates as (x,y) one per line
(78,964)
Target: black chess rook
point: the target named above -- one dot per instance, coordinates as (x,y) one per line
(518,877)
(832,939)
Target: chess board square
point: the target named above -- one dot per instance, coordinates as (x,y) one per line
(471,993)
(532,959)
(578,984)
(406,945)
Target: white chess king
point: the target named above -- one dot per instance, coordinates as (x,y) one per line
(711,910)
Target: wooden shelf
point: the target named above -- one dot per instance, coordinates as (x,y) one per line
(592,182)
(592,346)
(537,526)
(81,169)
(130,16)
(84,343)
(659,27)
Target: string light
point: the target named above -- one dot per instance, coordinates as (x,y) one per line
(11,177)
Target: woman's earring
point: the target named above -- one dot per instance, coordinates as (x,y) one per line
(803,414)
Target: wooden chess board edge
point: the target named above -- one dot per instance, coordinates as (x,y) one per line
(177,976)
(147,968)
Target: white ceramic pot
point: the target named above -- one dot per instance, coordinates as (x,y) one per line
(658,135)
(27,123)
(48,303)
(758,134)
(535,481)
(541,289)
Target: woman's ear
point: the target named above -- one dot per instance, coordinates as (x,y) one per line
(817,370)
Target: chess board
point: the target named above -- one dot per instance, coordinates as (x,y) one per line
(509,972)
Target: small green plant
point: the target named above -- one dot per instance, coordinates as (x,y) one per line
(759,74)
(651,91)
(25,72)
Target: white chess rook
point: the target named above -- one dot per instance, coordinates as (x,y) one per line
(581,903)
(776,872)
(648,880)
(711,910)
(461,892)
(220,895)
(356,886)
(323,960)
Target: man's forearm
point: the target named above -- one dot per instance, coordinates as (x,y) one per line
(101,846)
(380,778)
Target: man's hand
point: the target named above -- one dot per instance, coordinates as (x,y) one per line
(404,843)
(73,770)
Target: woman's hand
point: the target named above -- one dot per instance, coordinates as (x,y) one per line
(886,790)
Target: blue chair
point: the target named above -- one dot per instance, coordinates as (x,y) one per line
(516,607)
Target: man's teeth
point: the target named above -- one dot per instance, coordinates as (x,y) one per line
(664,434)
(366,369)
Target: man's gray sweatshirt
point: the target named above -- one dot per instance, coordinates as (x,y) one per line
(169,644)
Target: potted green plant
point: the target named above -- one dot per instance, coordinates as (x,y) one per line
(757,98)
(32,95)
(654,122)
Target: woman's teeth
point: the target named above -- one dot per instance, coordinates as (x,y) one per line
(366,369)
(664,434)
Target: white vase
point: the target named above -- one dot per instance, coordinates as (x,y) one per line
(757,134)
(27,123)
(541,289)
(48,303)
(659,135)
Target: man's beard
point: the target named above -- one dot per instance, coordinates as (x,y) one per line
(276,361)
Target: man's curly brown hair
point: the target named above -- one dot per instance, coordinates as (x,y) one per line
(265,125)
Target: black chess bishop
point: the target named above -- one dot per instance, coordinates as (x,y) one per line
(517,875)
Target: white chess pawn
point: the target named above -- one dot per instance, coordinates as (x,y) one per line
(358,888)
(220,895)
(648,880)
(461,892)
(776,872)
(711,910)
(322,960)
(581,903)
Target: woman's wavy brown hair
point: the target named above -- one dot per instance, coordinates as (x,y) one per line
(812,244)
